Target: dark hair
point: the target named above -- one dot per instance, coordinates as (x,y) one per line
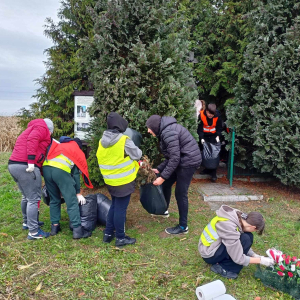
(254,218)
(211,108)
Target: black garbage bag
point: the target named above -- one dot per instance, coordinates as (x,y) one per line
(152,199)
(211,155)
(46,196)
(103,206)
(88,213)
(134,135)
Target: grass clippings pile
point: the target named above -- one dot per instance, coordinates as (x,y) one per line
(9,133)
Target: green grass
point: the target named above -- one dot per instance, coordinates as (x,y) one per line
(157,267)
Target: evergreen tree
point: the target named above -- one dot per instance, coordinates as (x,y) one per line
(266,113)
(219,36)
(137,61)
(64,71)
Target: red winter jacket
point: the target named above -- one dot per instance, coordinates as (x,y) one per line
(31,145)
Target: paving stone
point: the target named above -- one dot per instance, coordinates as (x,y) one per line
(222,192)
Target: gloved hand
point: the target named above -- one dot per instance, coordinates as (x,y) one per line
(30,168)
(217,139)
(81,199)
(266,261)
(202,141)
(251,253)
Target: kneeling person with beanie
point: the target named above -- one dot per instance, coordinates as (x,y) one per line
(117,155)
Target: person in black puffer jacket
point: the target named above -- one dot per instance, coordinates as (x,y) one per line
(182,158)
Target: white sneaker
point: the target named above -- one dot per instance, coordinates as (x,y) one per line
(164,215)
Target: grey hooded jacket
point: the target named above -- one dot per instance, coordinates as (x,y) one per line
(229,234)
(109,138)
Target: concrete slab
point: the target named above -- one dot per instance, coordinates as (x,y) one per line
(223,193)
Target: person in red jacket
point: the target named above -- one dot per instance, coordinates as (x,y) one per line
(24,166)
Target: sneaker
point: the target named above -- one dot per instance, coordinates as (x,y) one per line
(25,227)
(214,179)
(164,215)
(55,229)
(219,270)
(126,241)
(177,230)
(107,238)
(39,235)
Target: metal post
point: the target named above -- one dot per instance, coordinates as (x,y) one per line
(232,157)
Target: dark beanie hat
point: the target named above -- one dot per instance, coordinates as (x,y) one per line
(154,123)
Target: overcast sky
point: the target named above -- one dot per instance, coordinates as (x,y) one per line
(22,44)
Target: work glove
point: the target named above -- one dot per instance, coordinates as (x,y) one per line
(81,199)
(251,253)
(202,141)
(267,261)
(217,139)
(30,168)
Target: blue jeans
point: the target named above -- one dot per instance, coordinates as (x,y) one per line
(224,260)
(116,217)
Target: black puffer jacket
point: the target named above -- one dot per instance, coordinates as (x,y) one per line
(178,146)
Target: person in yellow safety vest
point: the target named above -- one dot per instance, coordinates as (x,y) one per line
(209,130)
(117,155)
(226,241)
(62,177)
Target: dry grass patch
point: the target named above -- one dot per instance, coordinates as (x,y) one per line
(10,130)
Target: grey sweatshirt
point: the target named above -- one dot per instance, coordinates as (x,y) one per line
(109,138)
(228,235)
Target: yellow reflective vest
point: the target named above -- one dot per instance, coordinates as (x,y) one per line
(60,162)
(115,168)
(209,234)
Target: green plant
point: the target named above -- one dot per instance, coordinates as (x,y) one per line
(64,71)
(137,62)
(266,113)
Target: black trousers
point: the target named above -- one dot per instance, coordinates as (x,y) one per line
(224,260)
(183,178)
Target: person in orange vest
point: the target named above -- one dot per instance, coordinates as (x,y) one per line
(62,177)
(209,130)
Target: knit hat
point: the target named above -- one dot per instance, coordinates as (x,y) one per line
(154,123)
(49,124)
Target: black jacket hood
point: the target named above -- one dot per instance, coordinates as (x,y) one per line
(116,122)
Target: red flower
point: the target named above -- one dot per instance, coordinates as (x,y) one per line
(287,261)
(298,263)
(280,273)
(294,258)
(289,257)
(282,268)
(283,256)
(290,274)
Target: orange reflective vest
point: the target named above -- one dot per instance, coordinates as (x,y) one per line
(206,127)
(72,151)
